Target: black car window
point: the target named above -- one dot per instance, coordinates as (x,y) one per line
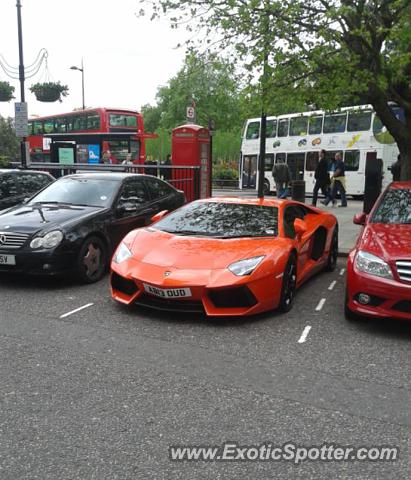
(133,193)
(32,182)
(8,186)
(290,214)
(158,188)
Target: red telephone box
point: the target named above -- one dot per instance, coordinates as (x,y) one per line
(190,147)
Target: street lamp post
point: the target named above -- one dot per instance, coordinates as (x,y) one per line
(82,80)
(21,78)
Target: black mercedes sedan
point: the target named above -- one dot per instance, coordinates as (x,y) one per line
(75,223)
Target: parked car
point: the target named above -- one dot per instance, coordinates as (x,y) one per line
(225,256)
(379,266)
(16,185)
(75,223)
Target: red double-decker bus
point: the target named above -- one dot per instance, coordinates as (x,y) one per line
(96,120)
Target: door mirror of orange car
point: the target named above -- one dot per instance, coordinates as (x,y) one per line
(158,216)
(300,227)
(360,218)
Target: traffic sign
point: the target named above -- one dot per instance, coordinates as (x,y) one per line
(21,119)
(191,113)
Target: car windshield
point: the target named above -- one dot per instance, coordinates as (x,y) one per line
(395,207)
(78,191)
(222,220)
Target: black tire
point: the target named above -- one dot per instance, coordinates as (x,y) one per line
(92,260)
(266,187)
(333,254)
(289,285)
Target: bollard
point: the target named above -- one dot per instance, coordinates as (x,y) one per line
(298,190)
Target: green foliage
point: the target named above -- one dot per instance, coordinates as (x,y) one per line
(6,91)
(49,91)
(160,147)
(322,52)
(9,143)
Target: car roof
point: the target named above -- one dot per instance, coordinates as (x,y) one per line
(268,202)
(17,170)
(105,175)
(395,185)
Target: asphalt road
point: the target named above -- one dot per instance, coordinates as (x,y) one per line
(102,392)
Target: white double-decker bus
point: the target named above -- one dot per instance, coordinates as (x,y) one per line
(297,138)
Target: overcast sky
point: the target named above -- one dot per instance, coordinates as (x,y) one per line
(125,58)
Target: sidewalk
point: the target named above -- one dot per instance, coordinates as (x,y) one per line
(348,231)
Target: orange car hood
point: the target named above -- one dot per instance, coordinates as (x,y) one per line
(188,252)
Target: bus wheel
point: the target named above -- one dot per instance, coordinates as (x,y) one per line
(266,187)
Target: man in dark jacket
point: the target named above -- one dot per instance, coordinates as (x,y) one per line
(282,177)
(322,177)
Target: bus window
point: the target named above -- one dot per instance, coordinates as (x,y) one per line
(280,157)
(60,125)
(311,161)
(79,122)
(316,125)
(352,160)
(295,162)
(93,121)
(271,131)
(37,127)
(335,122)
(283,127)
(330,157)
(269,162)
(253,131)
(121,120)
(359,121)
(30,126)
(298,126)
(48,125)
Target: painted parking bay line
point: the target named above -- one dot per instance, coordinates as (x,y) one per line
(76,310)
(332,285)
(303,337)
(320,305)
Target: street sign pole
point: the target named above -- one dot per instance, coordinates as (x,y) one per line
(21,78)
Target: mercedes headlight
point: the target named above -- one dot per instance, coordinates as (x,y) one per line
(122,253)
(369,263)
(50,240)
(245,267)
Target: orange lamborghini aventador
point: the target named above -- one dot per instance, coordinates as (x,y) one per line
(225,256)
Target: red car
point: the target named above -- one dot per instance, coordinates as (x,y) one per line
(225,256)
(379,266)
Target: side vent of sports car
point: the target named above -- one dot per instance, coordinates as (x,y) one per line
(238,297)
(123,285)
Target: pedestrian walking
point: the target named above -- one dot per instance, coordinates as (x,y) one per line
(322,178)
(338,183)
(282,177)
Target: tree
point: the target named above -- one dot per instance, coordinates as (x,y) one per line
(327,52)
(206,80)
(9,144)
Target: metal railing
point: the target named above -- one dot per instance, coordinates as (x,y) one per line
(183,178)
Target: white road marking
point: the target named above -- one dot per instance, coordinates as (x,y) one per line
(342,271)
(332,285)
(76,310)
(303,337)
(320,305)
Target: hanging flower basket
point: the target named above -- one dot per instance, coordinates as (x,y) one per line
(6,92)
(49,92)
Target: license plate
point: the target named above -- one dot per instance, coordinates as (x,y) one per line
(7,260)
(167,292)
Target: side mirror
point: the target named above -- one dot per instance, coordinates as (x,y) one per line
(360,218)
(300,227)
(158,216)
